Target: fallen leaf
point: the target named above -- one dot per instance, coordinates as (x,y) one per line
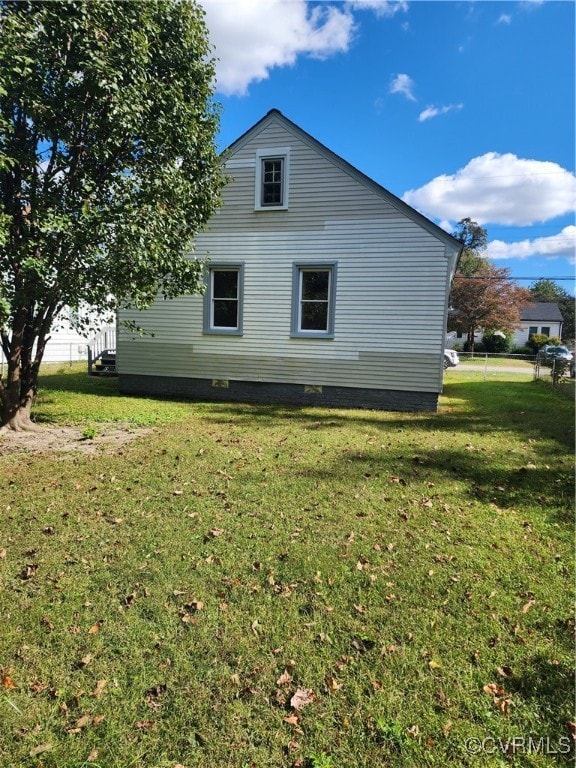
(95,628)
(284,678)
(129,599)
(81,723)
(302,698)
(503,704)
(194,605)
(571,729)
(100,685)
(528,605)
(40,749)
(85,660)
(292,720)
(332,684)
(143,724)
(434,665)
(505,671)
(92,756)
(8,683)
(215,532)
(494,689)
(28,571)
(97,719)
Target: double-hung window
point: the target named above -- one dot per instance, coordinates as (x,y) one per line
(223,299)
(272,175)
(313,299)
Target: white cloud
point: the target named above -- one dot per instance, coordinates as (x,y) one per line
(380,7)
(561,245)
(499,189)
(252,37)
(430,112)
(403,84)
(505,18)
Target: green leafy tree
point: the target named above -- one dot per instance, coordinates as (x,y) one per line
(549,291)
(474,238)
(108,166)
(482,295)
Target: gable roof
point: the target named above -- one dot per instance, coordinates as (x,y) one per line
(407,210)
(542,310)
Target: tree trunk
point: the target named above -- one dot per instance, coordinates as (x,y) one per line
(16,407)
(471,337)
(18,390)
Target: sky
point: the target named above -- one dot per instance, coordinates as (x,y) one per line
(462,109)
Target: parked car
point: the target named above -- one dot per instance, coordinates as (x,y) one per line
(451,358)
(552,352)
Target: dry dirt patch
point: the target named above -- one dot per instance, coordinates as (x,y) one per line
(69,440)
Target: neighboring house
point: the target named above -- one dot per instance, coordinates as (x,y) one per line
(66,344)
(322,288)
(541,317)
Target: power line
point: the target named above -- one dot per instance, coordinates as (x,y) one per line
(510,277)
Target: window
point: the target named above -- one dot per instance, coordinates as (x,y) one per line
(545,330)
(272,177)
(532,330)
(313,298)
(223,299)
(272,173)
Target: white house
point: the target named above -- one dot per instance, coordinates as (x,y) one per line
(68,344)
(541,317)
(322,288)
(536,318)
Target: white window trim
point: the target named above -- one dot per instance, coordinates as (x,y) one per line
(297,268)
(271,154)
(208,297)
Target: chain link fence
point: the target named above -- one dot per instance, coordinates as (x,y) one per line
(555,370)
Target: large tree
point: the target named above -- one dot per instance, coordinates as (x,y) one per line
(549,291)
(108,165)
(482,295)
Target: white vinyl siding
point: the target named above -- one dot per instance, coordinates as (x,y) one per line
(390,294)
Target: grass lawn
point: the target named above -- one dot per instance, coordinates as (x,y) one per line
(250,586)
(480,360)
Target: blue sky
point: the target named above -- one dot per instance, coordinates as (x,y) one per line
(460,108)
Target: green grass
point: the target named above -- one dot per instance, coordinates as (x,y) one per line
(392,564)
(480,360)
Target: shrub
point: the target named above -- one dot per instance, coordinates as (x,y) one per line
(497,341)
(478,347)
(560,369)
(525,350)
(537,340)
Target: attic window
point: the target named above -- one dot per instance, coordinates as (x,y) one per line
(272,175)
